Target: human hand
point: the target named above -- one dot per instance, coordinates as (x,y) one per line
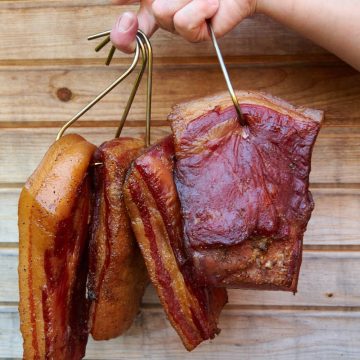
(184,17)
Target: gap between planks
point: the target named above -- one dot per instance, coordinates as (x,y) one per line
(129,124)
(191,61)
(306,247)
(351,186)
(228,308)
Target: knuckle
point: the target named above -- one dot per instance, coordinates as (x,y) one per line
(203,6)
(181,22)
(160,10)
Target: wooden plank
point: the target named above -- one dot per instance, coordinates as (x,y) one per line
(251,334)
(22,4)
(335,220)
(44,94)
(335,158)
(29,145)
(327,279)
(8,215)
(54,33)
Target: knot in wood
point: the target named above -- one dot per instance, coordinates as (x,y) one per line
(64,94)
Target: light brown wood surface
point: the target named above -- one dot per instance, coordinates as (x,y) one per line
(49,71)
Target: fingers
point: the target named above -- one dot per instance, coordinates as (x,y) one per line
(164,11)
(123,34)
(147,22)
(231,13)
(186,17)
(190,21)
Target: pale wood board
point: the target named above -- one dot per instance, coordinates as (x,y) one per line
(335,219)
(61,32)
(328,279)
(32,94)
(335,158)
(246,334)
(22,4)
(43,49)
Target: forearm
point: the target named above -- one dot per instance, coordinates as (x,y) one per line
(333,24)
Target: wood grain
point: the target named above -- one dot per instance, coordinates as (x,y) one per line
(335,158)
(250,334)
(39,95)
(60,33)
(22,4)
(49,71)
(327,279)
(334,222)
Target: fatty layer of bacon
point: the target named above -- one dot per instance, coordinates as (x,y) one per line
(154,209)
(54,210)
(117,275)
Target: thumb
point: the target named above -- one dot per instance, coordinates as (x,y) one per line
(123,34)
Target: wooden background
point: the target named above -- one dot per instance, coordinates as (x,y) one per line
(48,71)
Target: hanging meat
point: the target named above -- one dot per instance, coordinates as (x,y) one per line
(154,209)
(117,276)
(54,210)
(244,191)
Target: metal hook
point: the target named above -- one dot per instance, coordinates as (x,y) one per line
(149,87)
(226,74)
(149,55)
(102,94)
(135,87)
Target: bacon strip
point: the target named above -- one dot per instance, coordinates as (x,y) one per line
(54,210)
(118,276)
(244,191)
(154,208)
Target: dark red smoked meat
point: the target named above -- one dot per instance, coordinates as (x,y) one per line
(154,209)
(244,190)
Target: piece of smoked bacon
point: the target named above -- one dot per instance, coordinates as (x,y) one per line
(117,276)
(154,209)
(54,211)
(244,190)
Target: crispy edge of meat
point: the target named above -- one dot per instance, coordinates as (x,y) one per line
(117,276)
(185,112)
(180,304)
(47,199)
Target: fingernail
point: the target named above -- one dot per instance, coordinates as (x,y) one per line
(124,22)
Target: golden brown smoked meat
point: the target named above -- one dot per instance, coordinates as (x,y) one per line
(244,191)
(54,209)
(118,276)
(153,205)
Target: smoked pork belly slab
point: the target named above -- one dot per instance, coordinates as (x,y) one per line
(244,191)
(54,213)
(117,275)
(154,209)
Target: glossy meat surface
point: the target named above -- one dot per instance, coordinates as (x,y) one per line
(244,190)
(118,276)
(54,210)
(154,209)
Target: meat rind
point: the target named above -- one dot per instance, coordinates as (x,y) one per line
(244,190)
(54,209)
(118,276)
(153,205)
